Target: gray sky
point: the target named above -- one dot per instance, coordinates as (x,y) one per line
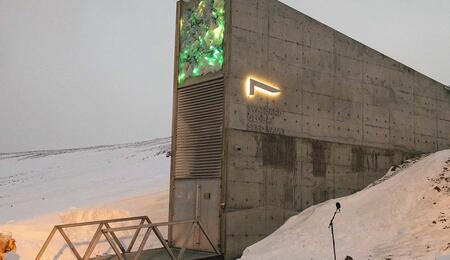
(78,73)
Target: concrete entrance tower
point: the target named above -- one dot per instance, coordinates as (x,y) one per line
(275,112)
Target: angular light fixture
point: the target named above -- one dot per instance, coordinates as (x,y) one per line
(254,85)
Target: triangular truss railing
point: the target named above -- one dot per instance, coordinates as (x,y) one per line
(104,228)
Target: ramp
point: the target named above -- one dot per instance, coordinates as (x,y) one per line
(161,254)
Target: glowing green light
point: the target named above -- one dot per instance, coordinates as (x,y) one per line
(218,32)
(201,7)
(202,28)
(181,77)
(196,72)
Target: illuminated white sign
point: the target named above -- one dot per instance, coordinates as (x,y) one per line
(255,85)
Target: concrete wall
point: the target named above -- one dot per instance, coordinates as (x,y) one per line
(345,114)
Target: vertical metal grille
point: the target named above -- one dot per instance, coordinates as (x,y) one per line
(199,130)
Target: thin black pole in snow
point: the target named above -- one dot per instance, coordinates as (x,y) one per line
(338,209)
(334,244)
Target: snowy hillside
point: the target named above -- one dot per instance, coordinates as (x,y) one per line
(40,189)
(407,216)
(32,183)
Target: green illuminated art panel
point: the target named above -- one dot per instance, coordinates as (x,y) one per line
(202,27)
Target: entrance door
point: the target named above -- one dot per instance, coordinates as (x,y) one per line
(196,198)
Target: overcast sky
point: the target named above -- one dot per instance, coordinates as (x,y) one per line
(78,73)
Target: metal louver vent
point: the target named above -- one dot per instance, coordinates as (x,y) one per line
(199,130)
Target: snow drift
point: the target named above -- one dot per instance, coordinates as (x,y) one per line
(406,216)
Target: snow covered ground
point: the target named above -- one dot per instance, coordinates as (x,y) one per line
(43,188)
(407,216)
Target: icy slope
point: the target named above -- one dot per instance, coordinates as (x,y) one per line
(33,183)
(404,217)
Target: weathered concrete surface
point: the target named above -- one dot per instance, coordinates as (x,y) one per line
(262,194)
(345,114)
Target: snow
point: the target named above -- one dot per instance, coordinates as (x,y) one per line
(406,216)
(41,189)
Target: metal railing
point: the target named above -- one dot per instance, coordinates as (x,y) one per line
(104,228)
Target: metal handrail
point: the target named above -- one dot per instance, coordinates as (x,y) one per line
(95,238)
(161,224)
(109,233)
(96,222)
(153,226)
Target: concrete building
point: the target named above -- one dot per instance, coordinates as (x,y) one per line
(275,112)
